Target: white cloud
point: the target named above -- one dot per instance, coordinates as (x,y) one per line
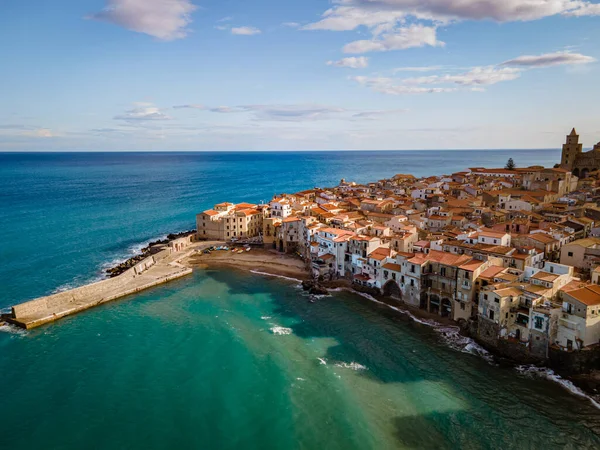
(586,9)
(396,87)
(353,62)
(245,31)
(386,19)
(417,69)
(293,113)
(217,109)
(43,133)
(549,59)
(291,24)
(342,18)
(403,38)
(225,19)
(142,112)
(471,80)
(364,12)
(297,112)
(476,76)
(377,114)
(163,19)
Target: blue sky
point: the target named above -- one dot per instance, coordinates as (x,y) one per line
(295,75)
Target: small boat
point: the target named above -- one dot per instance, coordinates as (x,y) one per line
(248,249)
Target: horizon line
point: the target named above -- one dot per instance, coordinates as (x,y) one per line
(278,151)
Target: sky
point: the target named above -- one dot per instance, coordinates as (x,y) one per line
(177,75)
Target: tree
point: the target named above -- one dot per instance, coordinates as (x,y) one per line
(510,164)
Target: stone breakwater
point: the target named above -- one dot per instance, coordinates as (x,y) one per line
(145,252)
(156,269)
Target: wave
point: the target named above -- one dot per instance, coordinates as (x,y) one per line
(549,374)
(258,272)
(352,365)
(129,252)
(450,335)
(323,361)
(281,330)
(265,317)
(12,329)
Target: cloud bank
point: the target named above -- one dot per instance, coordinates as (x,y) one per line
(164,19)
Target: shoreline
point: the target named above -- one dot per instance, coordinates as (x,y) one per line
(269,262)
(292,268)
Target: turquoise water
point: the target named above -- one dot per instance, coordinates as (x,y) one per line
(226,359)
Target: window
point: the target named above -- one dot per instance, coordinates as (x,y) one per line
(570,254)
(412,282)
(492,314)
(539,322)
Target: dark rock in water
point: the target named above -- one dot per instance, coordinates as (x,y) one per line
(145,252)
(318,290)
(306,285)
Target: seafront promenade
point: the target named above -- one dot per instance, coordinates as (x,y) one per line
(159,268)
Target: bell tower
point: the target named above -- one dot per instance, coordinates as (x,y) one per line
(570,151)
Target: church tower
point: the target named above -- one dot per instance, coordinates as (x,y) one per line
(570,150)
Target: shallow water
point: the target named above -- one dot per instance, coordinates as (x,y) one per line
(203,363)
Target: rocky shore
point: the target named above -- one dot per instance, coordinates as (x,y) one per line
(144,253)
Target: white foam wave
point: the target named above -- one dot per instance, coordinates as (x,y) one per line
(129,252)
(258,272)
(453,339)
(549,374)
(323,361)
(281,330)
(449,334)
(265,317)
(352,365)
(11,329)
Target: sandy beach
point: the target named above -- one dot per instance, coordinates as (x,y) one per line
(261,260)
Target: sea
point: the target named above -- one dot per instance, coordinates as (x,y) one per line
(226,359)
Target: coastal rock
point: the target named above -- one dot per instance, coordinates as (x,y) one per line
(144,253)
(318,290)
(314,288)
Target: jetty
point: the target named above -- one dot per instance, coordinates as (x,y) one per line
(161,267)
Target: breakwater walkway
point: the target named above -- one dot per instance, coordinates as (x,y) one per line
(158,268)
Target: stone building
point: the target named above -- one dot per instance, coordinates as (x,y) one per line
(228,221)
(574,159)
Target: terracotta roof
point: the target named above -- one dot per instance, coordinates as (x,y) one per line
(211,212)
(508,291)
(247,212)
(491,272)
(472,265)
(545,276)
(380,253)
(245,206)
(542,237)
(589,295)
(393,267)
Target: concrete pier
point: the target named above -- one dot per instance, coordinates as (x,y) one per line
(159,268)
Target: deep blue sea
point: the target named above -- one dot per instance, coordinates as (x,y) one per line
(234,360)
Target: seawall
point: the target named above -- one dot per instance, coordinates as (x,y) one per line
(157,269)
